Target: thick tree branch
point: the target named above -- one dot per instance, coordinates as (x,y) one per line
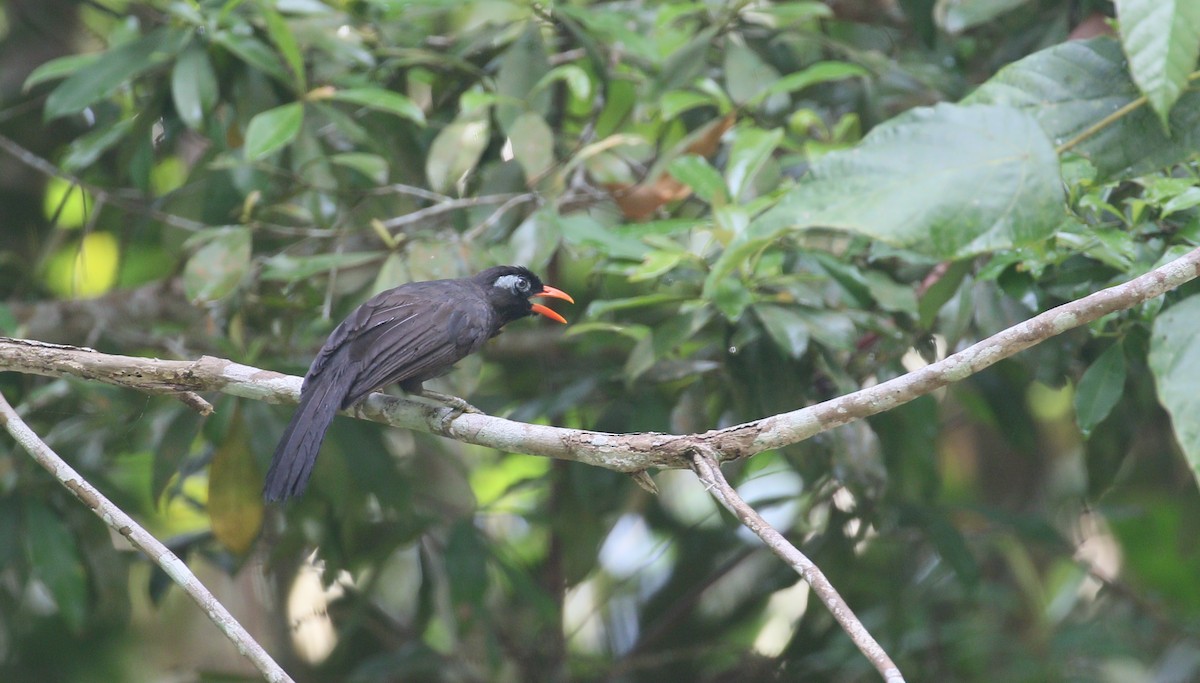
(708,469)
(141,539)
(622,452)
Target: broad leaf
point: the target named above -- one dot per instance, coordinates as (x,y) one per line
(234,491)
(215,270)
(1175,362)
(271,130)
(455,152)
(54,559)
(1162,40)
(532,145)
(947,181)
(1074,89)
(112,70)
(1100,388)
(194,86)
(382,100)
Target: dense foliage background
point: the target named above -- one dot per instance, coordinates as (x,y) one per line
(757,205)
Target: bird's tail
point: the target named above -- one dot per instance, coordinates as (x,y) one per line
(296,453)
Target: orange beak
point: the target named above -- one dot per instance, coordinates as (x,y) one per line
(553,293)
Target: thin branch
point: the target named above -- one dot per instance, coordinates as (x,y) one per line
(707,466)
(141,539)
(620,452)
(445,207)
(101,194)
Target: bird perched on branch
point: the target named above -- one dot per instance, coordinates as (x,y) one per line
(405,335)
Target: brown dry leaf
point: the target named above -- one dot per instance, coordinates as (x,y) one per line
(640,202)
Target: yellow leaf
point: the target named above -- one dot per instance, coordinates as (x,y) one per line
(85,269)
(234,497)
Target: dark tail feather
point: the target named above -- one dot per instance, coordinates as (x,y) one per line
(296,453)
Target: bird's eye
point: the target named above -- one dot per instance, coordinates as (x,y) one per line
(522,285)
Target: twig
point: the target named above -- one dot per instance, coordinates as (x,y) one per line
(706,465)
(493,218)
(102,195)
(141,539)
(445,207)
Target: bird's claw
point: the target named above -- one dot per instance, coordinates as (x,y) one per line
(457,405)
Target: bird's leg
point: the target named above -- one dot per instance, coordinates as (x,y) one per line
(460,406)
(454,402)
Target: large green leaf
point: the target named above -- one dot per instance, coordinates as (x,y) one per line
(523,65)
(532,144)
(215,270)
(956,16)
(1100,388)
(455,152)
(194,86)
(1162,40)
(281,35)
(948,181)
(55,561)
(271,130)
(112,70)
(255,53)
(1074,88)
(1175,362)
(383,100)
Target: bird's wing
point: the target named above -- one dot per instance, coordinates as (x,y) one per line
(413,336)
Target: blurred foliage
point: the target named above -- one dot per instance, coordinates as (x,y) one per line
(757,205)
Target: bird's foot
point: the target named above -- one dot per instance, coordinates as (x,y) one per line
(458,405)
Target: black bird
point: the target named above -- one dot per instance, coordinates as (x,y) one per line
(405,335)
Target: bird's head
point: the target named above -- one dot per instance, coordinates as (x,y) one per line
(510,288)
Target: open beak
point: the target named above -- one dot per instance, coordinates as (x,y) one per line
(553,293)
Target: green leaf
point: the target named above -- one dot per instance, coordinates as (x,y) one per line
(676,102)
(1174,361)
(577,80)
(536,239)
(382,100)
(455,152)
(111,71)
(1162,40)
(285,268)
(750,151)
(731,297)
(281,35)
(585,230)
(84,150)
(523,65)
(59,68)
(822,72)
(687,62)
(194,86)
(602,306)
(947,181)
(532,144)
(372,166)
(655,265)
(746,74)
(960,15)
(54,559)
(271,130)
(176,443)
(788,330)
(1071,87)
(254,52)
(215,270)
(1100,388)
(695,172)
